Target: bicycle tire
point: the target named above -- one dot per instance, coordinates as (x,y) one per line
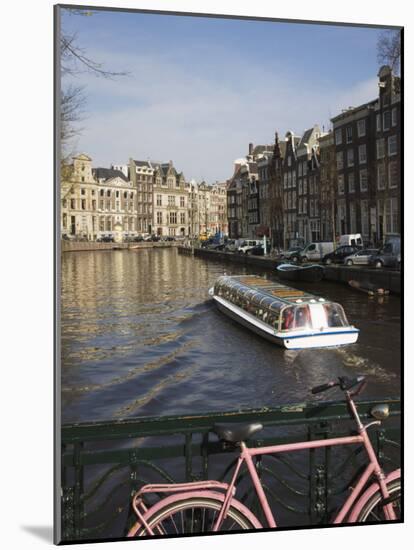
(373,511)
(203,510)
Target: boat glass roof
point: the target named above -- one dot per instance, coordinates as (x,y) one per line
(269,289)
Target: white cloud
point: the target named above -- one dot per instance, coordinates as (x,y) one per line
(202,122)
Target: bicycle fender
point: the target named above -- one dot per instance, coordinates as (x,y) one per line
(205,494)
(367,494)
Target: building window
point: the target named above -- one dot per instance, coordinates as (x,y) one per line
(72,204)
(159,200)
(289,160)
(285,180)
(381,177)
(182,217)
(305,205)
(339,160)
(94,205)
(338,136)
(362,154)
(64,202)
(64,220)
(108,193)
(300,169)
(182,203)
(393,174)
(311,208)
(351,183)
(159,218)
(305,168)
(378,122)
(363,180)
(349,134)
(101,192)
(171,200)
(350,157)
(380,148)
(83,178)
(361,128)
(341,184)
(173,217)
(394,117)
(386,120)
(83,192)
(392,145)
(83,204)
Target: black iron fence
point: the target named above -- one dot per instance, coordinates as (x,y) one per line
(104,463)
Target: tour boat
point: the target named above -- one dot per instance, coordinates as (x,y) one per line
(286,316)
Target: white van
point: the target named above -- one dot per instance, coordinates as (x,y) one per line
(351,240)
(315,251)
(248,244)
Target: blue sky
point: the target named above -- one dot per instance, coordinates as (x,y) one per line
(200,89)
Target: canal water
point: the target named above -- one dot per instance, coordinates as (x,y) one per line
(141,337)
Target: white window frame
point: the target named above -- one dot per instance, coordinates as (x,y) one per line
(390,165)
(365,188)
(350,157)
(338,136)
(361,127)
(341,184)
(351,189)
(390,140)
(379,150)
(378,122)
(362,159)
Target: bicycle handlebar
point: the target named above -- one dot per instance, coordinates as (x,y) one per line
(344,383)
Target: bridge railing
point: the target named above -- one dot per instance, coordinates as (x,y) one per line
(104,463)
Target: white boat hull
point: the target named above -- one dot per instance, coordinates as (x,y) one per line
(296,339)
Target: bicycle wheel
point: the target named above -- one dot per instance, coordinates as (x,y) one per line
(374,510)
(194,515)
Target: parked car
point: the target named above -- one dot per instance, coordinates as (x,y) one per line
(390,254)
(314,251)
(290,252)
(138,239)
(247,245)
(155,238)
(256,250)
(362,257)
(338,256)
(353,240)
(105,239)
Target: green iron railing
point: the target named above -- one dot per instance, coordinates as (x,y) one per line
(104,463)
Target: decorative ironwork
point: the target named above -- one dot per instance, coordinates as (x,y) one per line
(104,463)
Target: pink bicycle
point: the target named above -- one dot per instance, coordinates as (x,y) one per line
(211,506)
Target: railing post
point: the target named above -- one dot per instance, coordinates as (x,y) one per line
(78,491)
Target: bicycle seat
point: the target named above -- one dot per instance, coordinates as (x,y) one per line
(234,433)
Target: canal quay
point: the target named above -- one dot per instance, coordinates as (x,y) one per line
(142,338)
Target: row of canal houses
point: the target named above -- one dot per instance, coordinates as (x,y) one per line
(320,185)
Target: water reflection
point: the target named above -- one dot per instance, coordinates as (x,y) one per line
(141,337)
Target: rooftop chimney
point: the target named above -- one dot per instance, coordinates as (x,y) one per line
(250,148)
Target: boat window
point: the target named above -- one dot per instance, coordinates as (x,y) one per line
(302,317)
(335,315)
(288,319)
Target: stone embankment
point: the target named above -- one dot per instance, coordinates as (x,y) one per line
(382,278)
(78,246)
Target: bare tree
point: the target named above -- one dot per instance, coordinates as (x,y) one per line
(75,61)
(389,49)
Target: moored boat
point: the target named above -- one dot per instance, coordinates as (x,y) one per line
(286,316)
(310,273)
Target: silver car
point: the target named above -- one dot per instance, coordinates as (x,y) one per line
(362,257)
